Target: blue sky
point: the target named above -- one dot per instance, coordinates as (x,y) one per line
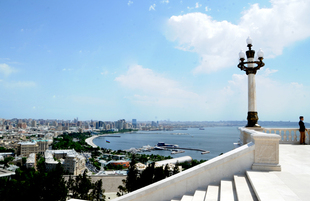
(152,60)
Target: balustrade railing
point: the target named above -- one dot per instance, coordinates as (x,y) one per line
(288,135)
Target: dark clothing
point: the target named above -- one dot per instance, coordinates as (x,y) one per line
(302,127)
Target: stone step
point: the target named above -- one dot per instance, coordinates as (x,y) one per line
(187,198)
(199,195)
(212,193)
(268,186)
(243,189)
(227,191)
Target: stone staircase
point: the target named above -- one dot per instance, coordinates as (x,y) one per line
(239,189)
(254,186)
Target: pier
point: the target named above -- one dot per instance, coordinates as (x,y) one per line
(191,149)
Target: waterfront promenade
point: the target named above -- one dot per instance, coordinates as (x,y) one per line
(89,140)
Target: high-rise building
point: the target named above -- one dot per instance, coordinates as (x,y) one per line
(134,123)
(33,123)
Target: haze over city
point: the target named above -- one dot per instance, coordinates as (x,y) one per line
(152,60)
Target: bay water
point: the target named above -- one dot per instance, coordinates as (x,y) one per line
(217,140)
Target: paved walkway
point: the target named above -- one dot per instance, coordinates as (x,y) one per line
(295,162)
(293,182)
(89,141)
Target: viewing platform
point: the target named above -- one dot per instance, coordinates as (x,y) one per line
(266,167)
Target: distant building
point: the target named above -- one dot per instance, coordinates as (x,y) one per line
(134,123)
(120,124)
(43,145)
(37,146)
(6,173)
(31,161)
(71,161)
(26,148)
(33,123)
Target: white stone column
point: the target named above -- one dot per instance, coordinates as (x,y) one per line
(251,71)
(251,89)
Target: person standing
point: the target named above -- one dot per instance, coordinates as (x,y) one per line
(302,130)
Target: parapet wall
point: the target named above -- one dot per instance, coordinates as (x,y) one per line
(199,177)
(260,151)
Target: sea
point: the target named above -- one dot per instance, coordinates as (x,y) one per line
(217,140)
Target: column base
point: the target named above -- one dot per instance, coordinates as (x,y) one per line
(252,120)
(266,167)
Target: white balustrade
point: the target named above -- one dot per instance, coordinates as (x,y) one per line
(288,135)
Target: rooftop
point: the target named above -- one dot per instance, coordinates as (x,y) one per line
(27,143)
(6,173)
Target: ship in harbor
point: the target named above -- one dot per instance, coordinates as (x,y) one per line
(164,145)
(176,151)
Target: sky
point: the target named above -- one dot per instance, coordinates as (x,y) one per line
(152,60)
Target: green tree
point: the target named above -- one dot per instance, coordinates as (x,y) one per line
(166,171)
(146,177)
(97,192)
(159,174)
(176,169)
(132,176)
(122,189)
(81,186)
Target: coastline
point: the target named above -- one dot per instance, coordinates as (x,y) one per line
(89,140)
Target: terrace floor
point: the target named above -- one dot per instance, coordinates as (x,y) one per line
(292,182)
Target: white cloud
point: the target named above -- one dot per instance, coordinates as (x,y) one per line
(165,1)
(129,3)
(154,89)
(218,42)
(6,70)
(152,7)
(164,96)
(197,5)
(207,9)
(274,99)
(267,71)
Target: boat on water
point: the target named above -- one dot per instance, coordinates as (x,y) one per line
(175,151)
(158,148)
(205,152)
(201,128)
(164,145)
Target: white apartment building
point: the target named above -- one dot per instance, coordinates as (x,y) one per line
(31,161)
(71,161)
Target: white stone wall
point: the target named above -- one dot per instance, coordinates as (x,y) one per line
(199,177)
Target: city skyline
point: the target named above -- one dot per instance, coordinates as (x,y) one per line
(152,61)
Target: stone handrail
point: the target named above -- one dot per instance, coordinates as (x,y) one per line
(288,135)
(199,177)
(266,148)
